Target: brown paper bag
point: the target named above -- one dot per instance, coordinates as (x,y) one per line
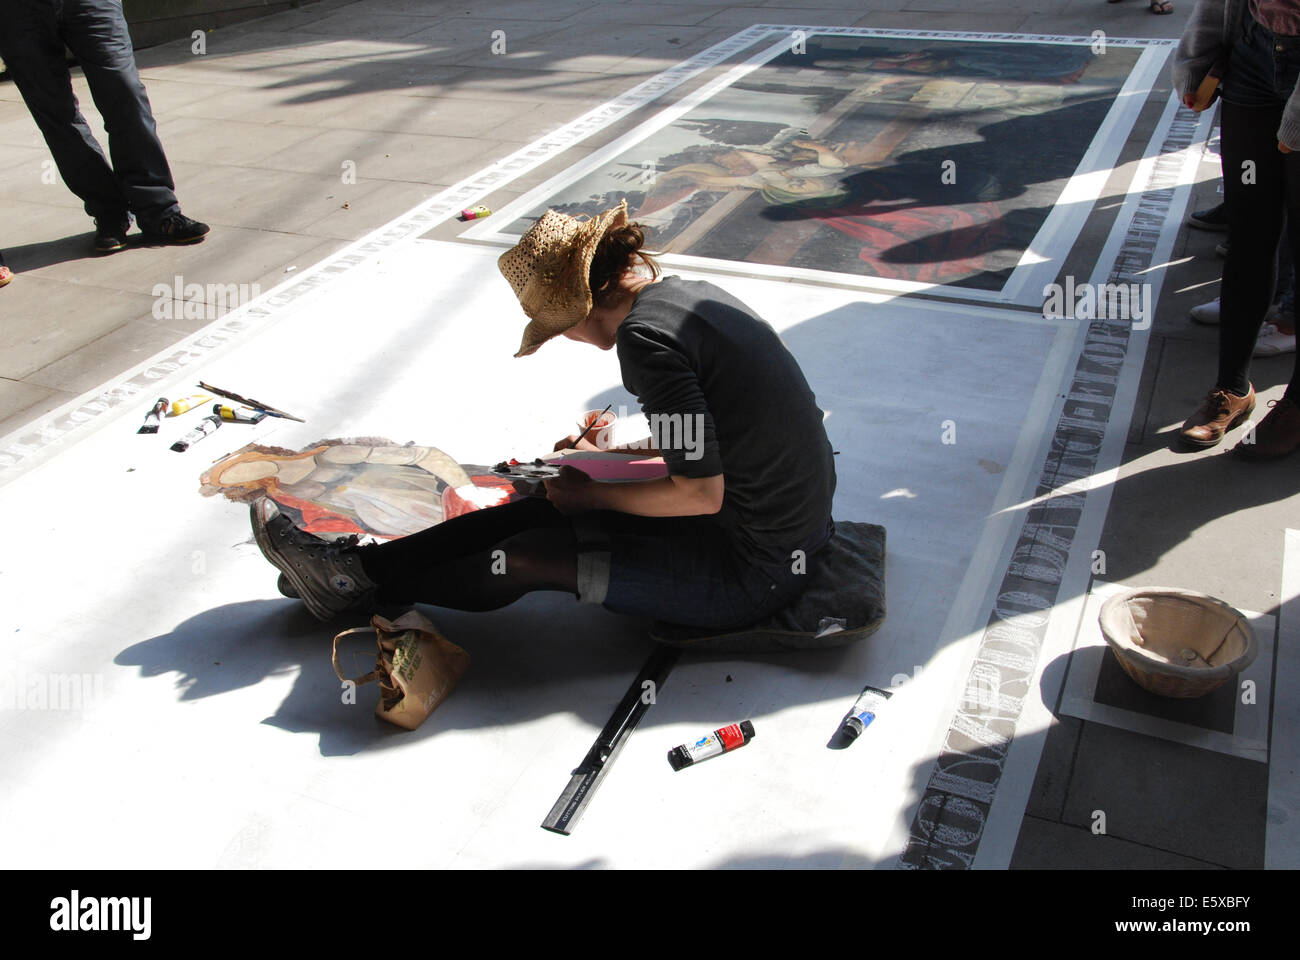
(417,668)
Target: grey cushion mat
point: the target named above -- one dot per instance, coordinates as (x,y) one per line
(844,602)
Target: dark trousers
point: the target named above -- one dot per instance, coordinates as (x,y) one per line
(1261,74)
(32,37)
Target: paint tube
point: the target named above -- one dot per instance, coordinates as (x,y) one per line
(863,711)
(475,213)
(188,404)
(204,427)
(719,741)
(152,418)
(238,415)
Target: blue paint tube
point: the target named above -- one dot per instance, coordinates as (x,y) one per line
(863,711)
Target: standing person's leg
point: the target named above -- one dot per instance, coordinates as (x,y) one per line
(1278,433)
(1254,188)
(96,32)
(33,52)
(1254,191)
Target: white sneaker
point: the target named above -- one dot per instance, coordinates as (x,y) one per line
(1207,313)
(1273,342)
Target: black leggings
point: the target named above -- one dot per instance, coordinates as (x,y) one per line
(480,560)
(1255,217)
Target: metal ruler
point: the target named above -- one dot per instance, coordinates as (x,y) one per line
(588,774)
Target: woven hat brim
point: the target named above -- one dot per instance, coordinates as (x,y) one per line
(549,317)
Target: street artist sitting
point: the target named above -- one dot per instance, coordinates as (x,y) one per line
(730,536)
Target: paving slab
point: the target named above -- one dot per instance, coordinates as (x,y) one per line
(961,21)
(229,255)
(631,17)
(228,142)
(46,229)
(18,132)
(391,113)
(583,90)
(304,105)
(375,26)
(1052,780)
(1152,792)
(80,370)
(385,156)
(1047,845)
(375,203)
(67,323)
(274,200)
(33,179)
(739,18)
(455,37)
(21,401)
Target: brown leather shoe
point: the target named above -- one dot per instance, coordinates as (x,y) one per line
(1276,435)
(1220,412)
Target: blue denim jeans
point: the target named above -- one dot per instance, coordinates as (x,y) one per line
(684,570)
(1262,68)
(32,37)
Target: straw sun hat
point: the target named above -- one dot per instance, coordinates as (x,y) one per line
(549,269)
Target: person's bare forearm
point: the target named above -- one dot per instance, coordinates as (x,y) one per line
(665,497)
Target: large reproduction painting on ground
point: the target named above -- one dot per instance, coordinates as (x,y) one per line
(371,486)
(909,159)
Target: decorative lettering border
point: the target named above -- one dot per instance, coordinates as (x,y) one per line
(949,823)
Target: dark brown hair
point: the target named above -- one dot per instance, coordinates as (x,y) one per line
(619,250)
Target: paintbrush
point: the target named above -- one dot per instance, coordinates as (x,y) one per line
(594,420)
(255,404)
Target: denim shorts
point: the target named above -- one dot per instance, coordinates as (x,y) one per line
(1262,68)
(684,570)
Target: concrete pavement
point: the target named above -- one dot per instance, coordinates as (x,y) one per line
(296,134)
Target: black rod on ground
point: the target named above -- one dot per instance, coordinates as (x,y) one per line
(587,777)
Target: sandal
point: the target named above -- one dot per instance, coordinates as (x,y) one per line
(1161,7)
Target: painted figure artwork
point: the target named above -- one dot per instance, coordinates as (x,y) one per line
(373,486)
(913,159)
(363,486)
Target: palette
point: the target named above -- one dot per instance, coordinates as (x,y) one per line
(535,470)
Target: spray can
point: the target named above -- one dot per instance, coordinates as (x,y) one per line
(204,427)
(719,741)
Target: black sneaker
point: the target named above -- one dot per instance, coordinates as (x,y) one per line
(1215,218)
(175,228)
(326,574)
(110,235)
